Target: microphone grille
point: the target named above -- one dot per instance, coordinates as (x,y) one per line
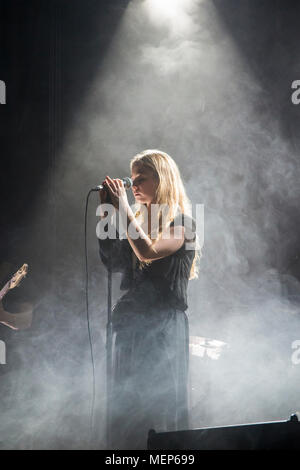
(127,182)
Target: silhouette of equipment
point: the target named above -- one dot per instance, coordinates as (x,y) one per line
(283,435)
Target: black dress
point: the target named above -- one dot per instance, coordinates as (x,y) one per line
(150,342)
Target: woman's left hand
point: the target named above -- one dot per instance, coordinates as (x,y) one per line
(117,192)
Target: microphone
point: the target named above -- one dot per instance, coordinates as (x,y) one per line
(126,181)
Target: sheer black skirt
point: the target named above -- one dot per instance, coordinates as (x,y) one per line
(150,374)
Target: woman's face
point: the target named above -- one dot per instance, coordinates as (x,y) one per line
(144,185)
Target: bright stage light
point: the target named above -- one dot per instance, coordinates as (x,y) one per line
(174,13)
(167,7)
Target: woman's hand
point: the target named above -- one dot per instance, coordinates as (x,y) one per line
(117,193)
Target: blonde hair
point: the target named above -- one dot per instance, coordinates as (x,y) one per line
(170,191)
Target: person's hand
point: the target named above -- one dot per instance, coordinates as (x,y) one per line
(117,192)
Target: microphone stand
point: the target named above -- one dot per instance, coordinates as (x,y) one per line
(109,330)
(109,334)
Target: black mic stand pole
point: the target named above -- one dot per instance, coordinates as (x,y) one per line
(109,334)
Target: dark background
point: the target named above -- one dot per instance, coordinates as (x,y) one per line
(50,53)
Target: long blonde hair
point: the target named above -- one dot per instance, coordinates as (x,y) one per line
(170,191)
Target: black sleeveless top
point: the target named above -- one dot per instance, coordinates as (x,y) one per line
(161,284)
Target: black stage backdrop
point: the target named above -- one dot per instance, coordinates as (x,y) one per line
(88,85)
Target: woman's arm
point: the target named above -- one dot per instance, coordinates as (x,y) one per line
(141,243)
(144,248)
(115,253)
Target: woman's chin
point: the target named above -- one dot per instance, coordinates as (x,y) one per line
(141,200)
